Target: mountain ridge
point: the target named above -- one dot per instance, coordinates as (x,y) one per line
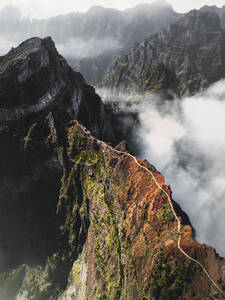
(84,220)
(190,49)
(91,34)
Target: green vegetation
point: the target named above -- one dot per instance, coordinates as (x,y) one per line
(170,279)
(217,296)
(41,283)
(165,213)
(107,246)
(10,283)
(28,137)
(88,176)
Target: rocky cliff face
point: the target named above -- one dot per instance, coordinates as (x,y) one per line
(128,27)
(130,251)
(219,11)
(90,40)
(34,78)
(39,95)
(186,57)
(79,219)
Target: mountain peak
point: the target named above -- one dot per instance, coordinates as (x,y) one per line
(34,77)
(156,5)
(97,9)
(192,45)
(201,20)
(160,3)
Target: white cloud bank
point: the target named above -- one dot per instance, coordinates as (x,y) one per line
(185,140)
(188,146)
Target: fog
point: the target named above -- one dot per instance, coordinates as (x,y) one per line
(185,140)
(79,48)
(70,41)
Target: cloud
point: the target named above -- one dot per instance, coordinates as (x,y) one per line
(81,48)
(15,28)
(185,140)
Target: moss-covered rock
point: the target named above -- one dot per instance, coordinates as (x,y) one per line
(79,219)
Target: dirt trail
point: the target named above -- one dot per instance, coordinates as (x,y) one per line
(170,202)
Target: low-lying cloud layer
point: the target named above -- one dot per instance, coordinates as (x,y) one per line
(185,140)
(80,48)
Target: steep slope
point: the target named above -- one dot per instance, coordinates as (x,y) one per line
(131,26)
(39,95)
(35,78)
(186,57)
(80,219)
(131,246)
(87,39)
(219,11)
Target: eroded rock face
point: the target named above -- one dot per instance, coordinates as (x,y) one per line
(130,250)
(219,11)
(186,57)
(90,40)
(34,78)
(119,231)
(39,95)
(78,219)
(128,27)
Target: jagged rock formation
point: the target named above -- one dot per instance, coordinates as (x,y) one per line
(93,38)
(35,78)
(186,57)
(219,11)
(39,95)
(128,27)
(78,219)
(131,245)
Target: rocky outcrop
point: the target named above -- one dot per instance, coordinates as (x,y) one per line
(90,40)
(184,58)
(219,11)
(34,78)
(78,218)
(128,27)
(39,95)
(121,233)
(130,251)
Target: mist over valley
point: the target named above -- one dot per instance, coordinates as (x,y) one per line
(112,154)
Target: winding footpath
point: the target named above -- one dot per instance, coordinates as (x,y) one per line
(104,145)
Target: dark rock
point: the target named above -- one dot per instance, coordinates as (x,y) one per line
(186,57)
(40,95)
(97,35)
(34,78)
(122,146)
(78,219)
(219,11)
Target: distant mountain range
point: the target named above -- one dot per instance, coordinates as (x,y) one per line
(185,57)
(80,219)
(219,11)
(80,216)
(90,40)
(128,27)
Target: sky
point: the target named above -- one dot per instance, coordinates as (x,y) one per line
(46,8)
